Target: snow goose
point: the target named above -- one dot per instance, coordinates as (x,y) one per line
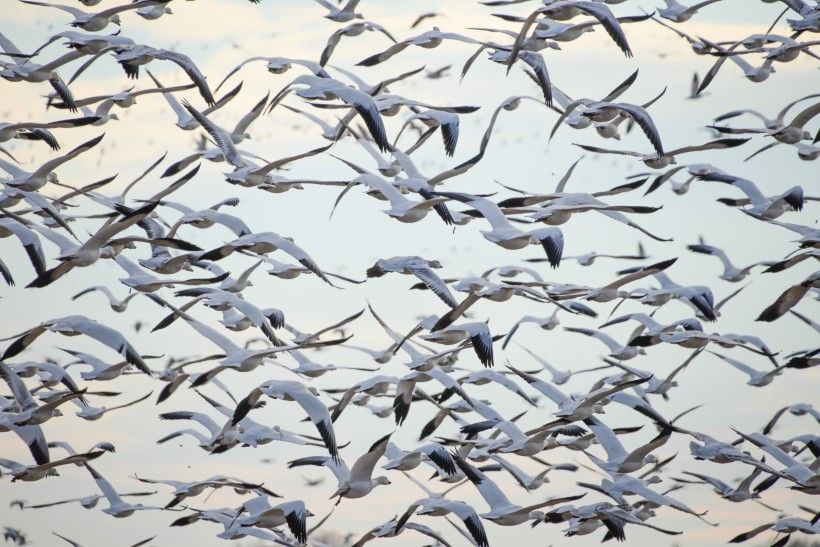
(589,259)
(235,357)
(799,409)
(618,459)
(761,206)
(756,378)
(117,305)
(354,29)
(132,57)
(94,248)
(304,396)
(401,208)
(679,13)
(77,324)
(567,9)
(730,272)
(477,332)
(358,481)
(117,507)
(279,65)
(183,490)
(531,482)
(264,243)
(428,40)
(93,22)
(37,179)
(655,161)
(624,484)
(752,73)
(24,70)
(502,511)
(407,385)
(88,412)
(391,529)
(419,267)
(789,298)
(586,519)
(185,121)
(308,337)
(344,14)
(406,460)
(504,234)
(220,439)
(87,502)
(447,121)
(577,407)
(263,515)
(788,526)
(101,370)
(806,477)
(28,238)
(558,377)
(312,369)
(29,413)
(29,473)
(618,351)
(739,493)
(439,507)
(144,282)
(486,376)
(220,299)
(328,88)
(40,130)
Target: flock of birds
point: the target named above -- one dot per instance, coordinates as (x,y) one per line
(156,241)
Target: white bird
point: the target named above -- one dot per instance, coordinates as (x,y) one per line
(30,473)
(576,407)
(401,208)
(344,14)
(502,511)
(504,234)
(616,350)
(786,526)
(807,477)
(739,493)
(428,40)
(304,396)
(439,507)
(756,378)
(93,22)
(263,515)
(358,481)
(117,507)
(618,459)
(117,305)
(328,88)
(44,174)
(264,243)
(730,272)
(73,325)
(419,267)
(478,333)
(353,29)
(558,377)
(185,120)
(762,206)
(407,460)
(679,13)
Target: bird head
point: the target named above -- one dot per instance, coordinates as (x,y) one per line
(381,480)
